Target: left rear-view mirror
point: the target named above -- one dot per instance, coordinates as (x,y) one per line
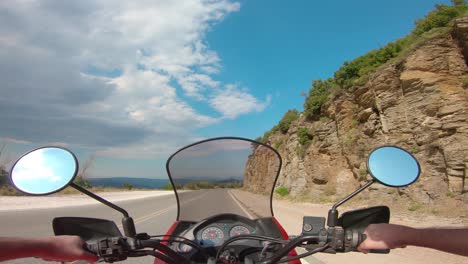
(44,171)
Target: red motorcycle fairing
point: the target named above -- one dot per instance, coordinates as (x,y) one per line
(168,233)
(285,235)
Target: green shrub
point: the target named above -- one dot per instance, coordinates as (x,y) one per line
(351,137)
(465,82)
(8,190)
(440,17)
(210,185)
(330,189)
(267,134)
(79,180)
(278,144)
(288,118)
(415,206)
(305,139)
(451,194)
(127,186)
(4,180)
(303,136)
(168,186)
(415,148)
(282,191)
(362,174)
(283,125)
(318,95)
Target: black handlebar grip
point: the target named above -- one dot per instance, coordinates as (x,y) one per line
(379,251)
(374,251)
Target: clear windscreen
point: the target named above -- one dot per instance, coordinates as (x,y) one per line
(226,175)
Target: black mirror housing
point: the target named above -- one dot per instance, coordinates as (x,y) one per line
(361,218)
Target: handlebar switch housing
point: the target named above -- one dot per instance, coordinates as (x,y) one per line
(337,238)
(110,249)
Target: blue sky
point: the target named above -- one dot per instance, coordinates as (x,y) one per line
(278,49)
(135,80)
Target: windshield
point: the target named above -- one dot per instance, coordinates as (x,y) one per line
(218,176)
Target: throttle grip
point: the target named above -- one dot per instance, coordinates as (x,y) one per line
(374,251)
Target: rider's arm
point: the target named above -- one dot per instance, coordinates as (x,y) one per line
(388,236)
(58,248)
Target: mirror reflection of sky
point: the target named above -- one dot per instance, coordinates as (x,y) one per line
(393,166)
(44,170)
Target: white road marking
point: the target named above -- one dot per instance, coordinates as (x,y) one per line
(160,212)
(240,205)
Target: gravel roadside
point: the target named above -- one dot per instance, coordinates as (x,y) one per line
(290,215)
(8,203)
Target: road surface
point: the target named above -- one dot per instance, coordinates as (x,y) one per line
(152,215)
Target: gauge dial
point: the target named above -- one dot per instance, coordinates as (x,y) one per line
(212,236)
(239,230)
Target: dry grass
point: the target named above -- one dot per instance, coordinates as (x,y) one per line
(71,190)
(6,190)
(10,191)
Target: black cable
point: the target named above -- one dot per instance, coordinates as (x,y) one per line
(288,247)
(320,249)
(247,237)
(155,243)
(184,241)
(163,257)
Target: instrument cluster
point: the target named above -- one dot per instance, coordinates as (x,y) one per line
(216,233)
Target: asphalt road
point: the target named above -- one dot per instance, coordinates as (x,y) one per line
(151,215)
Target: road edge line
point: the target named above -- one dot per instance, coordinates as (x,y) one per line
(240,205)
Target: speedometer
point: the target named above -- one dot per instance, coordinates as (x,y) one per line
(212,236)
(238,230)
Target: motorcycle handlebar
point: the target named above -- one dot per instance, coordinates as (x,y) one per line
(118,248)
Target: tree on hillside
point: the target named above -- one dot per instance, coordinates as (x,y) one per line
(127,186)
(3,176)
(3,172)
(81,178)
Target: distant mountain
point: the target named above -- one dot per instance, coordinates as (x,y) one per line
(208,179)
(118,182)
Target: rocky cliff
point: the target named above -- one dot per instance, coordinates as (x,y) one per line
(419,103)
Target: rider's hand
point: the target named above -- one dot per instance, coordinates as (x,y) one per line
(65,248)
(384,236)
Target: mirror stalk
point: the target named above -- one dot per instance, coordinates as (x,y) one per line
(99,199)
(127,222)
(332,218)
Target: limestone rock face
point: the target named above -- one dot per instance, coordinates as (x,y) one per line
(420,104)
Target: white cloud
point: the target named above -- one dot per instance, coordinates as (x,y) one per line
(233,102)
(46,46)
